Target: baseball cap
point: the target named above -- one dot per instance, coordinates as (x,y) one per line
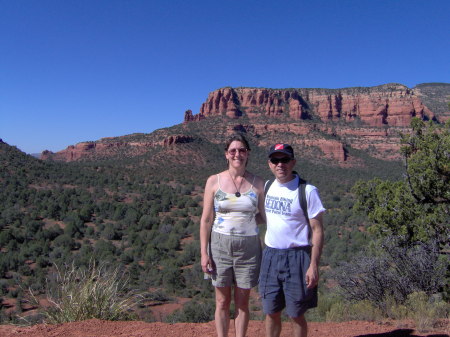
(282,148)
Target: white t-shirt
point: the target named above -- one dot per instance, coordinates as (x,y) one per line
(286,224)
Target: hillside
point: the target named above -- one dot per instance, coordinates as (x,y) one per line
(141,214)
(134,201)
(436,96)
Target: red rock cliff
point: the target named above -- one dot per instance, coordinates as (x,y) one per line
(389,104)
(106,148)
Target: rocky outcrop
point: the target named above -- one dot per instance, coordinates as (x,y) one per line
(323,123)
(190,117)
(390,104)
(107,148)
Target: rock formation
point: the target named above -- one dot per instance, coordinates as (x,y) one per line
(322,122)
(389,104)
(107,148)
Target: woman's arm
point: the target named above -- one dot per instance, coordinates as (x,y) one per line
(206,223)
(259,187)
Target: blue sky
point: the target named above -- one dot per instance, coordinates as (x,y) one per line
(79,70)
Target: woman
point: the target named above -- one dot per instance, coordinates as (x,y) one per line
(233,258)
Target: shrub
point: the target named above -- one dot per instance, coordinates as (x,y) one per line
(349,311)
(193,312)
(424,311)
(325,303)
(393,272)
(96,292)
(337,313)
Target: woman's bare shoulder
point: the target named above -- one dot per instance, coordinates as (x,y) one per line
(258,181)
(212,181)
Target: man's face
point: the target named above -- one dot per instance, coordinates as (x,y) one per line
(281,166)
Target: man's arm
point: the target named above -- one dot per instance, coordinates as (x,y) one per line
(312,275)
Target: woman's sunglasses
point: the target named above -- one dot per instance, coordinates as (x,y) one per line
(242,150)
(283,160)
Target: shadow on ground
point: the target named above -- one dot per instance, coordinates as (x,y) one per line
(400,333)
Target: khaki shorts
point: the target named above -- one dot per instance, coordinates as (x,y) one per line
(237,260)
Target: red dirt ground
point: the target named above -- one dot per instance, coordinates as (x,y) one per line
(99,328)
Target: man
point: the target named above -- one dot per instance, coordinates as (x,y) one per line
(290,264)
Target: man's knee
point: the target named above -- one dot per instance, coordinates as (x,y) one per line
(300,320)
(275,316)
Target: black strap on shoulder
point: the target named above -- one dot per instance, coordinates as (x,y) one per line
(267,185)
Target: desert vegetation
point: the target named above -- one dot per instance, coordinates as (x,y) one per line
(386,233)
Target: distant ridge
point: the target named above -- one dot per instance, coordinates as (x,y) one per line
(325,123)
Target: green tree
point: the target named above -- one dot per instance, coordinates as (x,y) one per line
(417,207)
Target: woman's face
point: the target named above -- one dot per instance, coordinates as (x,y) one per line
(237,154)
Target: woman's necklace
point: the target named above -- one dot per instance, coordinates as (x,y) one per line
(237,194)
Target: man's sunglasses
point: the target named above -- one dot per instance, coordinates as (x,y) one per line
(283,160)
(242,150)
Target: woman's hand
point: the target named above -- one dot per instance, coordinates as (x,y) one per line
(207,264)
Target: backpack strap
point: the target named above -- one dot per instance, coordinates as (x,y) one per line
(303,202)
(267,185)
(302,195)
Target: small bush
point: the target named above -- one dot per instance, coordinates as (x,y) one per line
(425,312)
(395,310)
(326,301)
(95,292)
(337,313)
(356,311)
(193,312)
(365,311)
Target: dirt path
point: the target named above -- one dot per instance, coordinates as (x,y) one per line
(99,328)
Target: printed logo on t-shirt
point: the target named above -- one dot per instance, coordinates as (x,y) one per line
(278,205)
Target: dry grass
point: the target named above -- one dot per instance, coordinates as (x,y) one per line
(96,292)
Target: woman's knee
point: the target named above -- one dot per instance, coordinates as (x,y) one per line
(223,298)
(223,303)
(241,298)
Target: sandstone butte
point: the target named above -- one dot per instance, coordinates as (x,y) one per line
(363,118)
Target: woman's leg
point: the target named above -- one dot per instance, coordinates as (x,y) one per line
(241,298)
(222,313)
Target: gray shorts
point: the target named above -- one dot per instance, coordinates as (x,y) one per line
(282,281)
(237,260)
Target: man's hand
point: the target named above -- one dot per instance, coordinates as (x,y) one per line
(312,277)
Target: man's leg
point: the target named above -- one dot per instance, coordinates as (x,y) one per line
(273,325)
(222,313)
(241,297)
(300,326)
